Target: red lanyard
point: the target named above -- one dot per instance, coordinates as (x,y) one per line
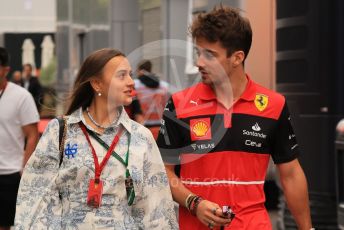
(99,168)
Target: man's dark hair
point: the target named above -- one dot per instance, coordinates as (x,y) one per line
(145,65)
(226,25)
(29,65)
(4,57)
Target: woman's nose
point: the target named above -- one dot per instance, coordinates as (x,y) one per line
(130,81)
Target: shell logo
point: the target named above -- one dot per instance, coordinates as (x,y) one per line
(200,129)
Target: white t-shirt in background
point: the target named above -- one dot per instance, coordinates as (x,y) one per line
(17,109)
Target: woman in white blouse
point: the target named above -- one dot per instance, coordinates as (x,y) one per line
(110,174)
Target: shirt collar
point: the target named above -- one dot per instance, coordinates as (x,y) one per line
(124,119)
(250,91)
(207,93)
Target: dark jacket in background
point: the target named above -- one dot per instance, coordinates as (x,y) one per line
(150,80)
(36,91)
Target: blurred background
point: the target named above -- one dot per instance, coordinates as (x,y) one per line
(297,50)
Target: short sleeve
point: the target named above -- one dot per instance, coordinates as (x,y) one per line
(284,146)
(28,113)
(169,139)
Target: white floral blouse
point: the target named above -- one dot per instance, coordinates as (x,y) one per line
(54,197)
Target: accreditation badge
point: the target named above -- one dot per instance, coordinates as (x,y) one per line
(95,192)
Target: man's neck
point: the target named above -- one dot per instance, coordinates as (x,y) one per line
(231,91)
(239,85)
(3,82)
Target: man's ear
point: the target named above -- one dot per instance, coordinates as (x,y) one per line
(238,58)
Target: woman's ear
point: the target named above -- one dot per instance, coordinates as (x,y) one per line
(95,84)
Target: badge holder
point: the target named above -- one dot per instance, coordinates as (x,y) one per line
(129,187)
(95,191)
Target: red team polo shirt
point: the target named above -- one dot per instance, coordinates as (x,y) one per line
(223,154)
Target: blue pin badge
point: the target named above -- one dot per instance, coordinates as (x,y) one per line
(71,151)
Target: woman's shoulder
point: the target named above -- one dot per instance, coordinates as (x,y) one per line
(55,125)
(51,128)
(137,127)
(140,131)
(137,130)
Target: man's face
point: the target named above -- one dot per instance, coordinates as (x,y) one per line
(17,76)
(26,71)
(212,61)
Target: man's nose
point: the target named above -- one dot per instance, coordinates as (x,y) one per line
(199,61)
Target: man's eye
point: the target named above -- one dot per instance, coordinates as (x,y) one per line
(208,55)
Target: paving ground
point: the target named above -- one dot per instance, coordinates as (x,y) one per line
(273,217)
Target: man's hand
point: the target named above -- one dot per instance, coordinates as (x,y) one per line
(210,214)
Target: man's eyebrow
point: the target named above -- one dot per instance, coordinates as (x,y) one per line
(206,50)
(213,52)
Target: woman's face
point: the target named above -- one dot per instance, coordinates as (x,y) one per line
(116,81)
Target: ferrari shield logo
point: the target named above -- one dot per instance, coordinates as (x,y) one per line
(261,101)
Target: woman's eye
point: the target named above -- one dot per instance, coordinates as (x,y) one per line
(121,75)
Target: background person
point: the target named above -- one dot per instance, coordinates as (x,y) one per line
(32,84)
(152,94)
(18,121)
(17,78)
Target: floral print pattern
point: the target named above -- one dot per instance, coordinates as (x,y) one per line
(53,196)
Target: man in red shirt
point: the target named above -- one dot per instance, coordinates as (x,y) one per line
(153,94)
(222,133)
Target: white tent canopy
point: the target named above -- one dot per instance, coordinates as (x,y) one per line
(47,50)
(28,53)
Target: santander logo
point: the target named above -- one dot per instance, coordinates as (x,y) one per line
(256,127)
(255,133)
